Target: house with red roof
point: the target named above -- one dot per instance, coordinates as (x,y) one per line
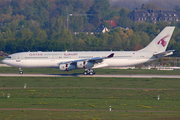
(111,22)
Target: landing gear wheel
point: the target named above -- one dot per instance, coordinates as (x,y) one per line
(85,73)
(91,73)
(20,72)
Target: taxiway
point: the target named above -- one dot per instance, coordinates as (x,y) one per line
(80,75)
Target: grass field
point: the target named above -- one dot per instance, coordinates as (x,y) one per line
(138,99)
(86,115)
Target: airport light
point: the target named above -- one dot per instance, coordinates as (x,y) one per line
(25,85)
(158,97)
(8,95)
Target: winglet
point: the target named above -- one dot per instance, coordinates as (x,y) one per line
(110,56)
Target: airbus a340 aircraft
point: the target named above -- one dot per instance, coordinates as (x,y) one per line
(66,61)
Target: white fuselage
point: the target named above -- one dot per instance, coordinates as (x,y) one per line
(54,59)
(66,61)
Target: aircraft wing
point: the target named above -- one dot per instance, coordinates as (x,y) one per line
(162,54)
(97,59)
(93,60)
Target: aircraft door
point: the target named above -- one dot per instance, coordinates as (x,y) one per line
(18,58)
(137,55)
(52,57)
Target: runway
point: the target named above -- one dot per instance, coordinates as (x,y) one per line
(80,75)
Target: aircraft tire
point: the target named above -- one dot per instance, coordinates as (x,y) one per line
(85,73)
(91,73)
(20,72)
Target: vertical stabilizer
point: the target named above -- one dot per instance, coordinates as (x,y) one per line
(161,41)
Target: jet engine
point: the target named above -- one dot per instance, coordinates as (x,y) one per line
(84,64)
(66,67)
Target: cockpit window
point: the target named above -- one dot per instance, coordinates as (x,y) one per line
(8,57)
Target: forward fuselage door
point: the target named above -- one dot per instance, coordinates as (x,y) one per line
(52,57)
(18,58)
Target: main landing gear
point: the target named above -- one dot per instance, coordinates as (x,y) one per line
(20,71)
(89,72)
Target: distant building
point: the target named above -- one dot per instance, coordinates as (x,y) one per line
(124,28)
(88,33)
(111,22)
(101,29)
(154,15)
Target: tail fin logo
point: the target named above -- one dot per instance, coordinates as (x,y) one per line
(162,41)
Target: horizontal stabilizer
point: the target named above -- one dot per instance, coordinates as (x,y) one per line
(163,54)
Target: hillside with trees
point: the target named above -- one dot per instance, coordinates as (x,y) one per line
(41,25)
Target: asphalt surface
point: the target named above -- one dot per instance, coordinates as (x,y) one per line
(78,75)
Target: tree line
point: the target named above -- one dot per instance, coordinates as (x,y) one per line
(40,25)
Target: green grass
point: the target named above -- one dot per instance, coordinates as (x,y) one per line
(83,82)
(98,71)
(87,115)
(93,99)
(91,94)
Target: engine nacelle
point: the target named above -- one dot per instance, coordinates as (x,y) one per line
(66,67)
(84,64)
(80,64)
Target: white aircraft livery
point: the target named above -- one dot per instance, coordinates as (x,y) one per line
(90,60)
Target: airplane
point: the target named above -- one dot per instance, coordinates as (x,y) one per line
(90,60)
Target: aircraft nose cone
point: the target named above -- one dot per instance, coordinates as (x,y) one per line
(4,61)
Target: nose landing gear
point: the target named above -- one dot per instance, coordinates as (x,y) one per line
(89,72)
(20,71)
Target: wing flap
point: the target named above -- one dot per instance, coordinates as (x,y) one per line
(101,65)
